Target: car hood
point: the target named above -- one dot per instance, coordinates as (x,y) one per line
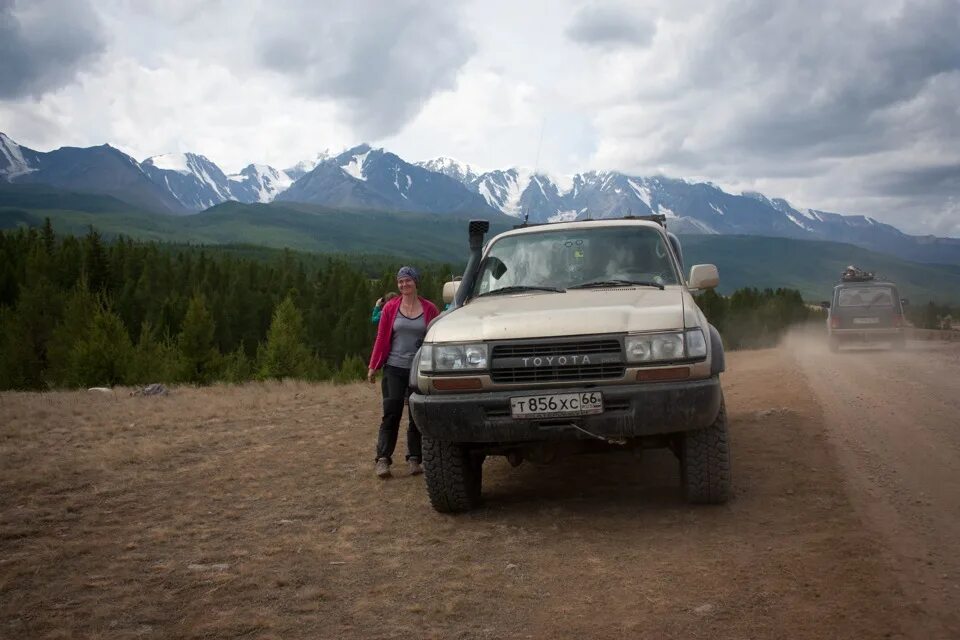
(576,312)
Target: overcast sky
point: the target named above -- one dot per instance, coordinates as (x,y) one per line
(841,105)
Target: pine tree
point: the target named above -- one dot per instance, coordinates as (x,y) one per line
(103,356)
(198,355)
(285,355)
(237,367)
(155,359)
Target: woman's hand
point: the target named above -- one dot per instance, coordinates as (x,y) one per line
(371,375)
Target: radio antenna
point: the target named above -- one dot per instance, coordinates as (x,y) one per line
(536,163)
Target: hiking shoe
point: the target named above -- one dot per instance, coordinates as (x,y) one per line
(382,468)
(415,467)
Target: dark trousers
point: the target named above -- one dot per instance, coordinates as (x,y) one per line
(396,390)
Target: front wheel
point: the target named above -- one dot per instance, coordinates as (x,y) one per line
(453,475)
(705,462)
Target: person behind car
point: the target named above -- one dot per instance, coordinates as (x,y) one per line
(403,325)
(378,306)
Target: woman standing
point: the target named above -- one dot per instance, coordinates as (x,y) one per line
(403,325)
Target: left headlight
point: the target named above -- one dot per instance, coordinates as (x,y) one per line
(453,357)
(665,347)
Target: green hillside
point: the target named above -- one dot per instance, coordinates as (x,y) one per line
(813,267)
(744,261)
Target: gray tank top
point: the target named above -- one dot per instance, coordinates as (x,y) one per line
(407,337)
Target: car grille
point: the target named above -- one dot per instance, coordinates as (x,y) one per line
(605,361)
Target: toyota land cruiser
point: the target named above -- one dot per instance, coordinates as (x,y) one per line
(565,338)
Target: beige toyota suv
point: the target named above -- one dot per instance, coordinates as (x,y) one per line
(565,338)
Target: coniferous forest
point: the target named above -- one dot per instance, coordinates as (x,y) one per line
(78,311)
(81,312)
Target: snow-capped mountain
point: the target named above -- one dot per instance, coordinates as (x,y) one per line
(366,177)
(304,167)
(102,169)
(459,171)
(258,183)
(15,160)
(374,178)
(196,182)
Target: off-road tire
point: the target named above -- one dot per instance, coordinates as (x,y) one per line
(453,475)
(705,462)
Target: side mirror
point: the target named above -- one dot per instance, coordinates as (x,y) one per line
(825,304)
(703,276)
(904,302)
(450,290)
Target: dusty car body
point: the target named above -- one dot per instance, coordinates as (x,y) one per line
(566,338)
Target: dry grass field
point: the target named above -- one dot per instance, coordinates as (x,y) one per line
(253,511)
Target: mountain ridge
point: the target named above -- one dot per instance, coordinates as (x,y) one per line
(374,178)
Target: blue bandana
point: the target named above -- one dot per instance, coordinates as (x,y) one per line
(409,272)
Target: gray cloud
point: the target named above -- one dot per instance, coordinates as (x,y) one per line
(926,182)
(380,60)
(821,83)
(845,101)
(605,25)
(43,43)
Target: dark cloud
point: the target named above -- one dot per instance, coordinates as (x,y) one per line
(379,60)
(819,83)
(926,182)
(43,43)
(605,26)
(836,105)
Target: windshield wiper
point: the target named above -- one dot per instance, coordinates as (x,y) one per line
(599,284)
(519,288)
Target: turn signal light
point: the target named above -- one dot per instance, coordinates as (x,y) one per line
(663,375)
(457,384)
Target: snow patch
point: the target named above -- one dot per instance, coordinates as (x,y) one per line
(667,212)
(14,156)
(717,209)
(354,168)
(642,191)
(800,223)
(484,189)
(170,162)
(517,182)
(563,182)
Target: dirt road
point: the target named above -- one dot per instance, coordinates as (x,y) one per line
(254,512)
(894,422)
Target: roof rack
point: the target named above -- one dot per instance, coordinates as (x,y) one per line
(659,218)
(856,274)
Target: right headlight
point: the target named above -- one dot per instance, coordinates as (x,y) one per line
(665,347)
(442,358)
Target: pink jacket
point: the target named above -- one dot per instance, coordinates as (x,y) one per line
(381,348)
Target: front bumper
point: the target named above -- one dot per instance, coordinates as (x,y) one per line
(630,411)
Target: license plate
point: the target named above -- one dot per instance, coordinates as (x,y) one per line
(866,321)
(557,405)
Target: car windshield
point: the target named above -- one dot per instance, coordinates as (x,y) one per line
(865,297)
(598,256)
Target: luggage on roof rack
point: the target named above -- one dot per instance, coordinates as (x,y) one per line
(856,274)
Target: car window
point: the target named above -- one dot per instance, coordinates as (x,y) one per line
(865,297)
(571,257)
